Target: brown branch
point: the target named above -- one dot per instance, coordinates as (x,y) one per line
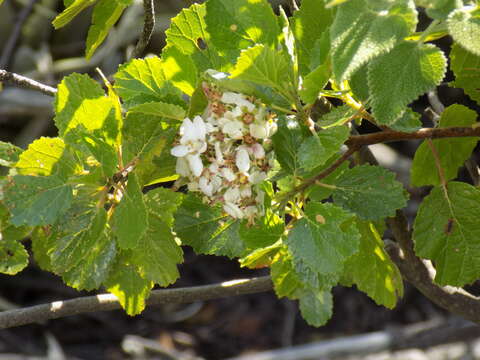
(148,27)
(25,82)
(105,302)
(308,182)
(421,274)
(425,133)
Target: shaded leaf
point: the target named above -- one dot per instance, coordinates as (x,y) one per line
(207,229)
(316,150)
(9,154)
(466,67)
(74,8)
(452,153)
(157,254)
(446,231)
(324,239)
(371,192)
(129,220)
(316,306)
(37,200)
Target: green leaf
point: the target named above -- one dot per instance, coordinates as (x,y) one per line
(359,84)
(145,80)
(372,270)
(264,66)
(316,150)
(324,239)
(88,120)
(147,140)
(9,154)
(408,122)
(105,15)
(129,220)
(319,193)
(316,306)
(190,51)
(128,285)
(37,200)
(466,67)
(308,26)
(338,116)
(286,142)
(440,9)
(286,281)
(207,229)
(266,231)
(74,8)
(314,82)
(408,71)
(261,257)
(464,26)
(157,254)
(446,231)
(369,191)
(241,24)
(162,110)
(452,153)
(13,256)
(84,259)
(363,29)
(47,156)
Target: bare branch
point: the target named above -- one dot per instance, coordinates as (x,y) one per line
(425,133)
(26,82)
(105,302)
(148,27)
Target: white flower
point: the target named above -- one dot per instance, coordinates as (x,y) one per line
(250,211)
(205,186)
(237,99)
(180,151)
(233,210)
(234,129)
(263,131)
(246,191)
(195,163)
(218,153)
(242,160)
(182,167)
(258,151)
(232,195)
(228,174)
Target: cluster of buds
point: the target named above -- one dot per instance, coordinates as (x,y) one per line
(224,154)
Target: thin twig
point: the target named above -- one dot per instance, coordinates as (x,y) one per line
(25,82)
(13,38)
(308,182)
(425,133)
(148,27)
(105,302)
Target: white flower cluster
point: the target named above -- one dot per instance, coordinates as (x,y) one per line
(223,153)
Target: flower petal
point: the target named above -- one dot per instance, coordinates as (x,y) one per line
(182,167)
(233,210)
(242,160)
(180,151)
(195,163)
